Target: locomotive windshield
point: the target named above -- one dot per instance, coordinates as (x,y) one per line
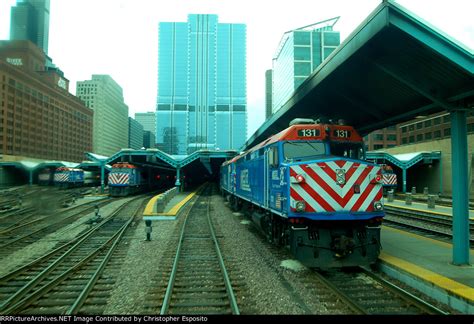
(347,150)
(301,151)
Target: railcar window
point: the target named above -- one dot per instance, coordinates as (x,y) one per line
(301,151)
(347,150)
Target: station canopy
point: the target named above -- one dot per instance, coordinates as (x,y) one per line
(405,160)
(392,68)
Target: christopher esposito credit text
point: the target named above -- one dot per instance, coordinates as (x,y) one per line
(98,318)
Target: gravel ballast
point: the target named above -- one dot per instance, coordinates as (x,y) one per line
(47,243)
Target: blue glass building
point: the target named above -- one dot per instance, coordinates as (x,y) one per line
(300,52)
(202,99)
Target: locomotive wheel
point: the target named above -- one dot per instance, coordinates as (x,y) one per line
(235,204)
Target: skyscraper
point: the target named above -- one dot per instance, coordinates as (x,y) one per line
(299,53)
(202,99)
(135,134)
(30,21)
(105,97)
(148,121)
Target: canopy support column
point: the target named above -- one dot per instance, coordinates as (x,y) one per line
(460,187)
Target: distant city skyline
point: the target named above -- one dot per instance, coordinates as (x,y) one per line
(120,36)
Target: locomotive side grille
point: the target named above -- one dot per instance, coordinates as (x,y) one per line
(389,179)
(119,178)
(322,192)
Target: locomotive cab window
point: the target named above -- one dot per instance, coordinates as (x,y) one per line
(347,150)
(301,151)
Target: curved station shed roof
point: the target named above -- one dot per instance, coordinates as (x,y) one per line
(392,68)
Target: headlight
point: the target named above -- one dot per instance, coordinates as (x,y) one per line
(377,179)
(300,206)
(299,178)
(378,206)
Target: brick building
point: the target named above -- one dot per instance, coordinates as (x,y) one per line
(39,118)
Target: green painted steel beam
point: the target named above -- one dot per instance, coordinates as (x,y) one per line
(404,179)
(178,182)
(102,177)
(460,187)
(405,79)
(430,36)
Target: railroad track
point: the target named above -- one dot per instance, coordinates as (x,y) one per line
(8,204)
(19,234)
(364,292)
(61,281)
(437,226)
(198,282)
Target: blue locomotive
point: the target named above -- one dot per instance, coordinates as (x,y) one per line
(309,187)
(65,177)
(125,179)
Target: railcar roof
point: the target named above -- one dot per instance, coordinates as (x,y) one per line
(291,134)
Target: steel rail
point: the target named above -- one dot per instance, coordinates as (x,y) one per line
(74,309)
(356,308)
(16,297)
(228,285)
(171,282)
(46,226)
(169,289)
(405,295)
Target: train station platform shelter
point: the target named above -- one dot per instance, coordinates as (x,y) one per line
(406,161)
(28,169)
(204,163)
(392,68)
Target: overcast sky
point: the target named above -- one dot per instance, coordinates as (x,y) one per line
(120,37)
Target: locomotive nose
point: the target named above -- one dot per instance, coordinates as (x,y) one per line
(333,185)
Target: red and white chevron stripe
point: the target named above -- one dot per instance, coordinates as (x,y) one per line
(322,193)
(389,179)
(119,178)
(61,177)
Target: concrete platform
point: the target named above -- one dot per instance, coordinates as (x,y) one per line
(426,264)
(172,208)
(417,206)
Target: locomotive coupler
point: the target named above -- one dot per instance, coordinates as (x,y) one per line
(343,246)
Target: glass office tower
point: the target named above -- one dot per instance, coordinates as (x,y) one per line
(30,21)
(202,99)
(299,53)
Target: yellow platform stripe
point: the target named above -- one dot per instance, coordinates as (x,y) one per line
(419,237)
(151,204)
(424,210)
(447,284)
(173,211)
